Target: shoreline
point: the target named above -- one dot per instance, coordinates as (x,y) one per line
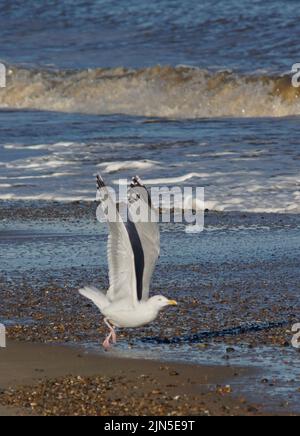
(164,388)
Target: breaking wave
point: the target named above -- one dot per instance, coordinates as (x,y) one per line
(172,92)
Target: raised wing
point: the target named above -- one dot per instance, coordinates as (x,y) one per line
(121,260)
(147,229)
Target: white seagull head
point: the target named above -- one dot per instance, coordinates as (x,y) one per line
(159,302)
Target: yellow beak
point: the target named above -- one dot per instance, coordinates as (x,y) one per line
(172,303)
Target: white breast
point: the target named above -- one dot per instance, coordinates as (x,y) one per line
(130,317)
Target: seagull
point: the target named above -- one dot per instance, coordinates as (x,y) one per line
(133,250)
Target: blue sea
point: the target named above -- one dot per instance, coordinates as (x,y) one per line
(199,93)
(241,35)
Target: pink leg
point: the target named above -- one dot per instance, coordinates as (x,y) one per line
(106,343)
(112,335)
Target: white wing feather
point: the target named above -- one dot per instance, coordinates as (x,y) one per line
(120,256)
(96,296)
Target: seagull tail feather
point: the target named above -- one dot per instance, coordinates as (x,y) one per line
(95,295)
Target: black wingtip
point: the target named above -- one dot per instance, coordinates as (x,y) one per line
(136,181)
(100,182)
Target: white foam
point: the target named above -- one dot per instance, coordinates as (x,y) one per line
(39,146)
(240,177)
(181,92)
(41,176)
(113,167)
(175,180)
(37,164)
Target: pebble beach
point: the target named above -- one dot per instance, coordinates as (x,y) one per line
(226,320)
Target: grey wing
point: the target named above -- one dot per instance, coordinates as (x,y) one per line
(147,229)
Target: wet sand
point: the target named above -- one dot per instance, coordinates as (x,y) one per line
(55,380)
